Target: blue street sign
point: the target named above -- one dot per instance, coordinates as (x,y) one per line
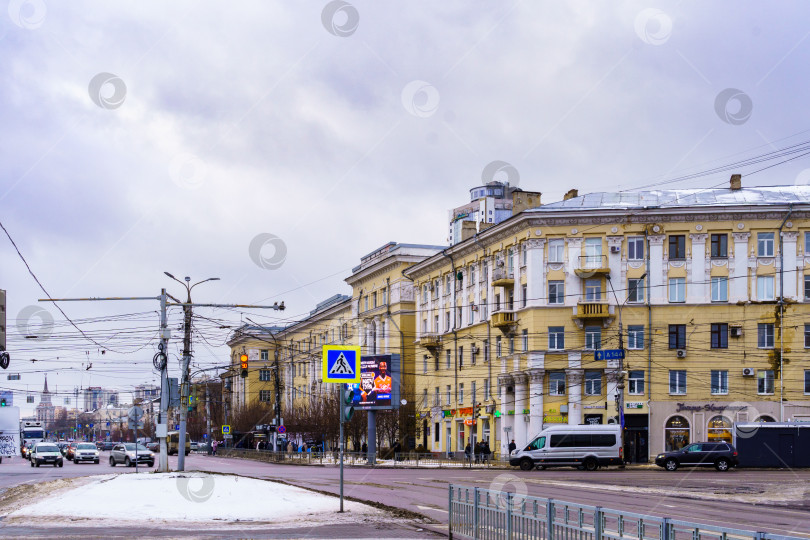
(609,354)
(341,364)
(205,435)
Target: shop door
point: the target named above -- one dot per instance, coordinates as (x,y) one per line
(635,445)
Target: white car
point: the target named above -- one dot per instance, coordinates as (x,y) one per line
(46,453)
(85,451)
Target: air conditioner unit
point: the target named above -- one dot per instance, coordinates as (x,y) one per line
(615,249)
(748,372)
(681,353)
(736,331)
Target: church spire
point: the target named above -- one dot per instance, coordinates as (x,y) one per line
(45,391)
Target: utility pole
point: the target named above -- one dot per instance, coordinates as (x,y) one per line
(208,415)
(276,355)
(184,389)
(162,423)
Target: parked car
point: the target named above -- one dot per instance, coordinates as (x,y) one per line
(46,453)
(586,446)
(127,453)
(153,446)
(62,446)
(720,455)
(71,449)
(194,446)
(85,451)
(105,445)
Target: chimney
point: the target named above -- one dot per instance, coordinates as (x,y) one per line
(571,194)
(736,182)
(468,230)
(523,200)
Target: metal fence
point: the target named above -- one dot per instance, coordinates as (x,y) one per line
(405,459)
(487,514)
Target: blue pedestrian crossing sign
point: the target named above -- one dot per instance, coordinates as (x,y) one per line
(341,364)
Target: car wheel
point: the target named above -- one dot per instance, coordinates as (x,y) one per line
(37,463)
(186,453)
(526,464)
(76,461)
(127,462)
(112,461)
(95,461)
(32,463)
(591,464)
(671,465)
(722,465)
(60,463)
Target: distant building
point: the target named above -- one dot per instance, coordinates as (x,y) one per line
(489,205)
(45,410)
(96,397)
(146,392)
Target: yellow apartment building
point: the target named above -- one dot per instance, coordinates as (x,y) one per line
(511,322)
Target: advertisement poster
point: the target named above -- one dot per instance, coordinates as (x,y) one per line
(379,383)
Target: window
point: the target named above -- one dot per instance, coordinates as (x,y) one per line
(765,288)
(593,337)
(635,383)
(461,393)
(498,348)
(524,292)
(635,336)
(264,375)
(265,396)
(385,293)
(807,336)
(365,300)
(677,289)
(510,261)
(472,313)
(424,397)
(556,383)
(807,381)
(556,338)
(473,394)
(677,381)
(593,383)
(473,351)
(525,254)
(677,247)
(472,276)
(446,321)
(556,292)
(807,287)
(635,290)
(524,338)
(676,433)
(424,364)
(436,432)
(635,248)
(449,397)
(511,344)
(677,336)
(593,290)
(461,357)
(719,429)
(765,244)
(765,335)
(448,283)
(719,289)
(437,398)
(374,299)
(765,381)
(486,389)
(807,242)
(265,355)
(593,253)
(556,249)
(449,361)
(486,350)
(719,335)
(719,243)
(719,382)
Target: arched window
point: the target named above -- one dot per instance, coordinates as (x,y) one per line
(765,418)
(719,429)
(676,433)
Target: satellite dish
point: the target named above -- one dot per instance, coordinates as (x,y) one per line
(404,402)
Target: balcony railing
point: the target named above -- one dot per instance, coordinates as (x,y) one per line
(503,318)
(593,310)
(501,277)
(430,340)
(592,264)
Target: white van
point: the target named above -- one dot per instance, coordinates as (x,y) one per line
(586,446)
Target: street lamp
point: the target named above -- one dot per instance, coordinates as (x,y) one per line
(181,443)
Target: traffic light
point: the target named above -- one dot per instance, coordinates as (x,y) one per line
(243,359)
(2,402)
(477,411)
(347,404)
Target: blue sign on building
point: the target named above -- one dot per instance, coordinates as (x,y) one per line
(609,354)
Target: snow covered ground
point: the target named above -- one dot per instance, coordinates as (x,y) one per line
(190,497)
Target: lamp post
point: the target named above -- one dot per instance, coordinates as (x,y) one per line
(620,378)
(181,446)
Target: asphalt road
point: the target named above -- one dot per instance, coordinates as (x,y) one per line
(772,501)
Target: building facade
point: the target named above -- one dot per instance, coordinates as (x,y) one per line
(510,322)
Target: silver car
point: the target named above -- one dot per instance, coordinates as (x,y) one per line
(128,453)
(46,453)
(85,451)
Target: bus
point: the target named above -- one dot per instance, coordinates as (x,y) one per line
(173,443)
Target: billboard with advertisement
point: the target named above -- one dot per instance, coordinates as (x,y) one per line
(378,388)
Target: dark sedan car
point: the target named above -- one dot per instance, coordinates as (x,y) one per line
(720,455)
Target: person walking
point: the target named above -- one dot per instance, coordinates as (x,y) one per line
(486,451)
(512,447)
(214,445)
(477,452)
(467,452)
(364,450)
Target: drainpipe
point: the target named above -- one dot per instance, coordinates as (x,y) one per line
(649,344)
(782,318)
(489,327)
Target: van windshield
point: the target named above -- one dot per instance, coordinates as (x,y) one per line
(537,444)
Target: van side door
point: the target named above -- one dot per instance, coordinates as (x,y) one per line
(559,448)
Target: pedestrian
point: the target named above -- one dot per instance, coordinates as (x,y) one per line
(364,450)
(304,447)
(477,452)
(486,451)
(467,451)
(397,451)
(290,447)
(512,447)
(214,445)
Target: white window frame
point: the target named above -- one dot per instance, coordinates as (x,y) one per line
(766,376)
(635,336)
(593,338)
(593,290)
(721,389)
(635,385)
(720,289)
(765,335)
(765,244)
(592,384)
(636,294)
(632,248)
(556,383)
(765,288)
(558,284)
(678,377)
(556,338)
(677,290)
(556,250)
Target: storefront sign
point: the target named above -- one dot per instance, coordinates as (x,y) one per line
(497,414)
(711,407)
(448,414)
(554,419)
(634,405)
(595,406)
(510,413)
(468,422)
(465,411)
(525,411)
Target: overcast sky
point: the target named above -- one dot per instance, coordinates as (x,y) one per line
(153,136)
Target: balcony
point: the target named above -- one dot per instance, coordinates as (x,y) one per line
(430,341)
(593,310)
(503,319)
(592,265)
(501,277)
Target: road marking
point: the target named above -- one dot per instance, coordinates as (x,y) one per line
(431,508)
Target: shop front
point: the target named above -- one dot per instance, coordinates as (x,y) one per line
(676,424)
